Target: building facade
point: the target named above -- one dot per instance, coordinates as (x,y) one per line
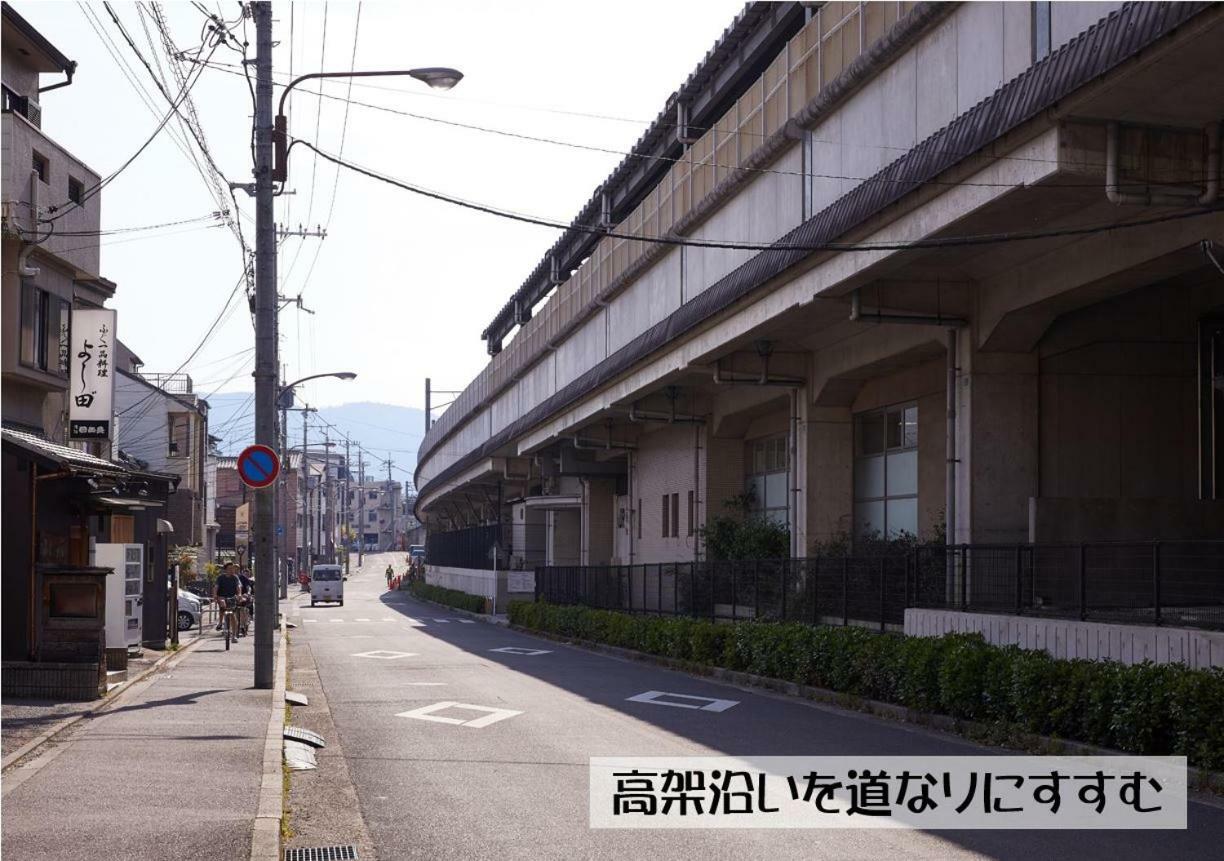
(943,270)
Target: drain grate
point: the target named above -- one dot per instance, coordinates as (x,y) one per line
(303,735)
(322,853)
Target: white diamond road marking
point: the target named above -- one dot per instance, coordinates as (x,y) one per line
(491,715)
(705,704)
(516,650)
(384,655)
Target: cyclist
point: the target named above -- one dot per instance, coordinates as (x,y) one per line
(225,592)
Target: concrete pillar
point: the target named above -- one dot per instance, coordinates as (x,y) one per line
(828,473)
(598,520)
(997,447)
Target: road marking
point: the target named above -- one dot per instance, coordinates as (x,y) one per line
(335,620)
(387,619)
(442,621)
(491,715)
(384,655)
(363,620)
(516,650)
(427,684)
(705,704)
(312,620)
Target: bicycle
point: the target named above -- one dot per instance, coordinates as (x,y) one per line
(229,620)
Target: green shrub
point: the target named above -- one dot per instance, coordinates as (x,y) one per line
(449,597)
(1145,709)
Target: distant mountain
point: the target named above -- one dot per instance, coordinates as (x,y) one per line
(382,429)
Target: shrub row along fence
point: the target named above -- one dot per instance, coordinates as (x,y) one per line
(1178,583)
(1142,709)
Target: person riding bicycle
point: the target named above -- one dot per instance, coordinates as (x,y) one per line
(226,590)
(246,601)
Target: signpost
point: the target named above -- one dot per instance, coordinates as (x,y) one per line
(258,466)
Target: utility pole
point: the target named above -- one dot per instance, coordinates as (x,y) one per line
(282,498)
(265,343)
(347,533)
(361,510)
(329,522)
(427,407)
(306,562)
(391,497)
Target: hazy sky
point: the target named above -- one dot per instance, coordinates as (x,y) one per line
(402,286)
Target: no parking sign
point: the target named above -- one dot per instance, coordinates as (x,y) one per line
(258,466)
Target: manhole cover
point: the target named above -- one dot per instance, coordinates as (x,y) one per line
(296,698)
(322,853)
(303,735)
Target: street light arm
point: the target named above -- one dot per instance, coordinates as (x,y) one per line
(437,77)
(340,375)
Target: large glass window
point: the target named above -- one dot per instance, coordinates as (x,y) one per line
(886,472)
(765,482)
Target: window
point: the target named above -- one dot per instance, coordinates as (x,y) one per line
(45,321)
(373,494)
(666,509)
(373,517)
(1041,31)
(691,512)
(41,166)
(675,515)
(766,481)
(180,444)
(886,472)
(76,191)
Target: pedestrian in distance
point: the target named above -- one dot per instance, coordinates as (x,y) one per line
(390,574)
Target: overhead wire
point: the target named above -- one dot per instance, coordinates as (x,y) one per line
(937,242)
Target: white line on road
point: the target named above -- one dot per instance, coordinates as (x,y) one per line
(335,620)
(363,620)
(491,715)
(442,621)
(705,704)
(517,650)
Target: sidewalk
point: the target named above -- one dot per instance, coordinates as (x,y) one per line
(171,771)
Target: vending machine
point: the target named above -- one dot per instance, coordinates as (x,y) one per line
(124,592)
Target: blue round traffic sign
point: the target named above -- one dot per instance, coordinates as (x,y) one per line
(258,466)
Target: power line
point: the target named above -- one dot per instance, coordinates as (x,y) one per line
(939,242)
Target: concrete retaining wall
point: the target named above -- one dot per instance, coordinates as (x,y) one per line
(1069,638)
(475,581)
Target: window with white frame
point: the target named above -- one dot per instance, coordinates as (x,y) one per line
(765,479)
(886,471)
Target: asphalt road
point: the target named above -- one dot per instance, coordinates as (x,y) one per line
(518,786)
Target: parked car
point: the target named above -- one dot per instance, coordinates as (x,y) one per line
(189,609)
(326,584)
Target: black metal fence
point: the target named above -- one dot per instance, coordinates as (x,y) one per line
(506,546)
(1178,583)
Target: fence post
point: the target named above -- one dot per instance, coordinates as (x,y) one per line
(1156,581)
(1019,584)
(964,579)
(1083,584)
(845,591)
(734,593)
(756,589)
(881,593)
(785,565)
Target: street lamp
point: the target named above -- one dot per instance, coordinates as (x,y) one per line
(435,77)
(280,503)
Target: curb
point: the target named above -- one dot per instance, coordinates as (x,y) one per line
(480,617)
(101,705)
(1197,778)
(266,834)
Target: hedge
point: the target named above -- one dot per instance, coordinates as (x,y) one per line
(449,597)
(1142,709)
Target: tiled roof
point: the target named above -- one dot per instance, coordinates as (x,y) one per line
(61,453)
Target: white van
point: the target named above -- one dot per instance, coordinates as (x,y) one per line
(327,584)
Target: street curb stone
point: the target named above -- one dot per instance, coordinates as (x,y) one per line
(266,833)
(1197,778)
(100,706)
